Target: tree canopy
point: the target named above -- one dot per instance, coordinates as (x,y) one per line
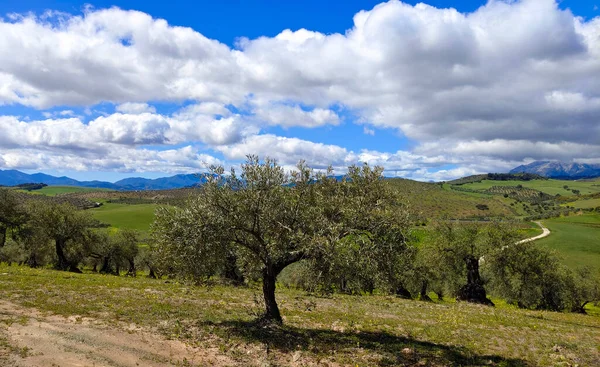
(67,227)
(269,218)
(12,213)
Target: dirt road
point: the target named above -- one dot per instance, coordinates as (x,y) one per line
(29,338)
(545,233)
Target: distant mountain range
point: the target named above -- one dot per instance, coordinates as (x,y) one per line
(552,169)
(13,177)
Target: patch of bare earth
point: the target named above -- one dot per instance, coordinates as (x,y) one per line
(33,339)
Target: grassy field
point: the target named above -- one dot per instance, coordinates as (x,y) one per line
(576,238)
(585,204)
(138,216)
(56,190)
(333,331)
(551,187)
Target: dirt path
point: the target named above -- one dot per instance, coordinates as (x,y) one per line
(30,338)
(545,233)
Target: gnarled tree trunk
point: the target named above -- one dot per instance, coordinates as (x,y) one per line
(3,230)
(271,309)
(63,262)
(231,271)
(402,292)
(105,269)
(423,294)
(473,291)
(131,272)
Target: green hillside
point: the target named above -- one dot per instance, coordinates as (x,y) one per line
(433,200)
(550,187)
(138,217)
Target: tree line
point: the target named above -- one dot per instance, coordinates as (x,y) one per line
(47,233)
(307,229)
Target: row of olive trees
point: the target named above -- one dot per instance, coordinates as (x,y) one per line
(43,233)
(492,260)
(352,235)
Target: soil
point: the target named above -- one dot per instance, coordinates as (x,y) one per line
(30,338)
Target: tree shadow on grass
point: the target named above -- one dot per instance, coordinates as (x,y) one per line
(394,350)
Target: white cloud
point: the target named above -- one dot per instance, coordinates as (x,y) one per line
(135,108)
(368,131)
(288,116)
(119,159)
(123,129)
(510,81)
(289,151)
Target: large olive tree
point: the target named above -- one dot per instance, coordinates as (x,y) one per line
(269,218)
(463,247)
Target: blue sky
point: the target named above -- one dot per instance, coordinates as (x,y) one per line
(106,90)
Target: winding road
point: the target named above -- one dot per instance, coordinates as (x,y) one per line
(545,233)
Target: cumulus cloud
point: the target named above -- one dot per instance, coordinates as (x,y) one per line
(288,116)
(135,108)
(119,159)
(122,129)
(289,151)
(511,81)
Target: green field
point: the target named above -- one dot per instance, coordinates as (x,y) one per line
(551,187)
(56,190)
(338,330)
(585,204)
(138,216)
(576,238)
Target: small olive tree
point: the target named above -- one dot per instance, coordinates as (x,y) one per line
(269,218)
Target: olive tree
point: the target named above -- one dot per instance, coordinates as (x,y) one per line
(583,286)
(67,227)
(112,252)
(269,219)
(372,248)
(464,247)
(12,213)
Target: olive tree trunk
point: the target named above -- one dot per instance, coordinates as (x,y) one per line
(3,230)
(473,291)
(271,309)
(131,272)
(63,262)
(423,296)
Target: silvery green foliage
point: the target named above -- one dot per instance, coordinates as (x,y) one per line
(270,218)
(444,257)
(184,245)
